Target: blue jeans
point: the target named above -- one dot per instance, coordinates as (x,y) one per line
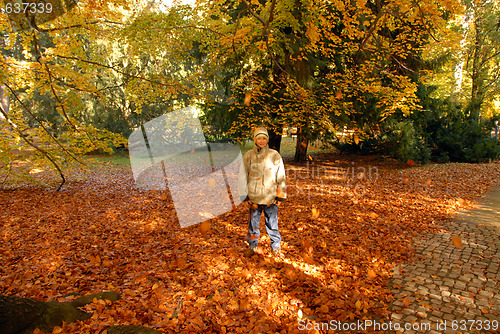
(271,218)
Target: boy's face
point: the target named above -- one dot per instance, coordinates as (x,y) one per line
(261,141)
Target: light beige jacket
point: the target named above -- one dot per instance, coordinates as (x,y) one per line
(262,176)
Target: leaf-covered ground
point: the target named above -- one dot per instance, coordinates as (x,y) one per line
(348,221)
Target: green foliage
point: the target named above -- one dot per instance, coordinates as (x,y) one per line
(404,142)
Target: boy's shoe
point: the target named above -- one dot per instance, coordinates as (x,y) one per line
(253,250)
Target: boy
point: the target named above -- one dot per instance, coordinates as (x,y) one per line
(262,182)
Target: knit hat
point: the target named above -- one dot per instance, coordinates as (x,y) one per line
(260,131)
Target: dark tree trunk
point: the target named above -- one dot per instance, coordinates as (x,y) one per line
(23,315)
(274,140)
(301,148)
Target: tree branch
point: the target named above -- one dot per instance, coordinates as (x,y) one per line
(423,23)
(254,14)
(114,69)
(370,31)
(41,124)
(37,28)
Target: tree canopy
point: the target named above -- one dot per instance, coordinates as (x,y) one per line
(82,80)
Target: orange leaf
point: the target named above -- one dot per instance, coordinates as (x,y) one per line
(358,304)
(371,274)
(456,241)
(315,213)
(373,215)
(323,309)
(248,98)
(205,226)
(410,162)
(428,182)
(307,259)
(255,206)
(290,273)
(244,305)
(233,305)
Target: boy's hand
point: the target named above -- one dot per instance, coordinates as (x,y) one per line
(278,203)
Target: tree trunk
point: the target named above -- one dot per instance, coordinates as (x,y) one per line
(23,315)
(476,100)
(274,140)
(301,148)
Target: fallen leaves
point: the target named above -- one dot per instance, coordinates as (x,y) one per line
(103,234)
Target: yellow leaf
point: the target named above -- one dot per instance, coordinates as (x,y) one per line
(315,213)
(356,139)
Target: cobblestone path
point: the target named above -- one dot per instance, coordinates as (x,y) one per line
(453,286)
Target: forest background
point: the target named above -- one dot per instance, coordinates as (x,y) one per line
(417,81)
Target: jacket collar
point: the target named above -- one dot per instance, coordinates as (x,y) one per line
(259,150)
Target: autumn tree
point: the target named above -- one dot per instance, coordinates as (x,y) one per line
(483,53)
(328,62)
(62,72)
